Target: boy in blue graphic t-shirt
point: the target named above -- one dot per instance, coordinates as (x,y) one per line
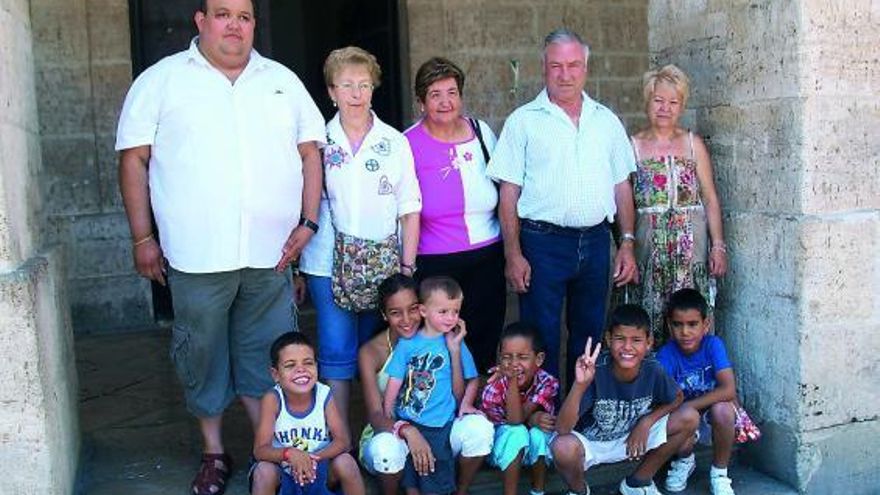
(427,375)
(699,365)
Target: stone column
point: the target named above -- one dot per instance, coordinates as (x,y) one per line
(787,94)
(39,441)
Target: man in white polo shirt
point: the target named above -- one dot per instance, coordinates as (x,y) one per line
(221,145)
(564,161)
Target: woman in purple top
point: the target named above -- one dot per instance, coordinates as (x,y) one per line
(460,235)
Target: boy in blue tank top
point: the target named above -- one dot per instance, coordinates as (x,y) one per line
(301,435)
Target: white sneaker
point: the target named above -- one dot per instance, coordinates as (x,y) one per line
(679,472)
(720,485)
(642,490)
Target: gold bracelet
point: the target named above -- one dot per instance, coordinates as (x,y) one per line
(142,241)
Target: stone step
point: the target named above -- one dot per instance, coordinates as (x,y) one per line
(746,481)
(604,480)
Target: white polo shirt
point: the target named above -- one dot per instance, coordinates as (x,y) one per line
(367,192)
(567,173)
(225,173)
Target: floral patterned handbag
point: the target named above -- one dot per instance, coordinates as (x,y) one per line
(359,266)
(744,429)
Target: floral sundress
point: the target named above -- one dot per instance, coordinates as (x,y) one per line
(672,239)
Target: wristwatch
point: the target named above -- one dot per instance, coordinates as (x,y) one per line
(308,224)
(627,236)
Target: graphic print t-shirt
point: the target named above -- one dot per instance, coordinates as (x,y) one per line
(695,374)
(423,365)
(610,409)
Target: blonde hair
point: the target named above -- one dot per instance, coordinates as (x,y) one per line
(669,74)
(351,55)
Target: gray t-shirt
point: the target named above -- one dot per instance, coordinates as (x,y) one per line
(610,408)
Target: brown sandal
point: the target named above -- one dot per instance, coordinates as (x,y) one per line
(212,475)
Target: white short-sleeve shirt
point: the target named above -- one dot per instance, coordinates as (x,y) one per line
(225,173)
(567,172)
(366,192)
(317,256)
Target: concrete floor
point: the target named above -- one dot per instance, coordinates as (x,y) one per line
(138,438)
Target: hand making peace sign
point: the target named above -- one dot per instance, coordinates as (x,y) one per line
(585,367)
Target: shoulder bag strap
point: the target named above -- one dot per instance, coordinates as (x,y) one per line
(476,127)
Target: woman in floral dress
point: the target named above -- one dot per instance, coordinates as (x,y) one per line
(679,236)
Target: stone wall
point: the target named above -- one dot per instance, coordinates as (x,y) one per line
(485,36)
(39,422)
(788,95)
(39,442)
(840,236)
(83,64)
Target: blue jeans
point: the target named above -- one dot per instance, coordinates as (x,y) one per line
(571,265)
(289,486)
(340,332)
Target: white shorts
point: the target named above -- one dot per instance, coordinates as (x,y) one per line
(615,450)
(471,436)
(384,453)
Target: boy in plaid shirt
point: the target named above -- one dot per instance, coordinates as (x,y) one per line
(520,400)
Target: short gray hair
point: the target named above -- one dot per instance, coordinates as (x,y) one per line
(564,35)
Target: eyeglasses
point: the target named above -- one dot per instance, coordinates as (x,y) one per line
(350,87)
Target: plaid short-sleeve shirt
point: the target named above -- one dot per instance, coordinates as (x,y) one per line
(567,172)
(542,392)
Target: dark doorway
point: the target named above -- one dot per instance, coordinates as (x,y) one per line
(303,32)
(296,33)
(162,27)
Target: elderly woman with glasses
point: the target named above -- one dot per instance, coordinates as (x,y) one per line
(370,189)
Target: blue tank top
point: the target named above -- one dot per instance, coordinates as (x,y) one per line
(306,431)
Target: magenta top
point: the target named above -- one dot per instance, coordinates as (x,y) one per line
(458,199)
